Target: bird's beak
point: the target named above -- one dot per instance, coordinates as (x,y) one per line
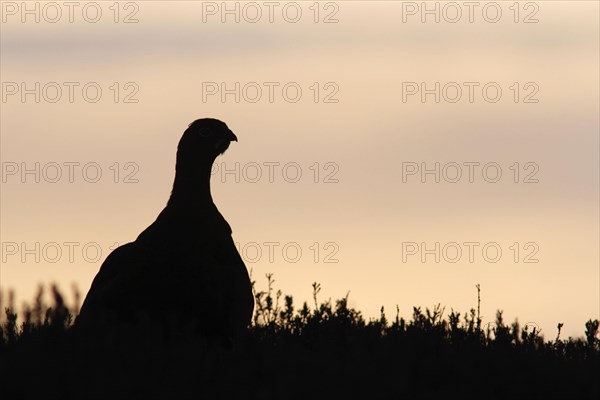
(231,136)
(223,144)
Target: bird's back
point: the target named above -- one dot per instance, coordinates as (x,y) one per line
(193,274)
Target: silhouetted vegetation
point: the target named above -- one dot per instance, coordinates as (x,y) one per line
(323,350)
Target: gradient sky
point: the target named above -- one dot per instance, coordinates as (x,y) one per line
(358,208)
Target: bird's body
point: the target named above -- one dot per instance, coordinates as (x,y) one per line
(184,267)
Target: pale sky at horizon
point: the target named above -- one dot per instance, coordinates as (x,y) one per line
(350,198)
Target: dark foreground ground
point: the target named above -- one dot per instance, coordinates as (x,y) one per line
(325,351)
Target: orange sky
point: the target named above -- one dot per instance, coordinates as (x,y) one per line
(359,135)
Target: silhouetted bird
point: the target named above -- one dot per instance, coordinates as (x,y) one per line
(184,267)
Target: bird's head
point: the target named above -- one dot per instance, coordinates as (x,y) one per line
(203,141)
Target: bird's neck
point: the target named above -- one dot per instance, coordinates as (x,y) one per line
(191,187)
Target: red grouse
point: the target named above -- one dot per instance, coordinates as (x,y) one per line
(184,268)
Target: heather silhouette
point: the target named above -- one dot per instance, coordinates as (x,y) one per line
(327,350)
